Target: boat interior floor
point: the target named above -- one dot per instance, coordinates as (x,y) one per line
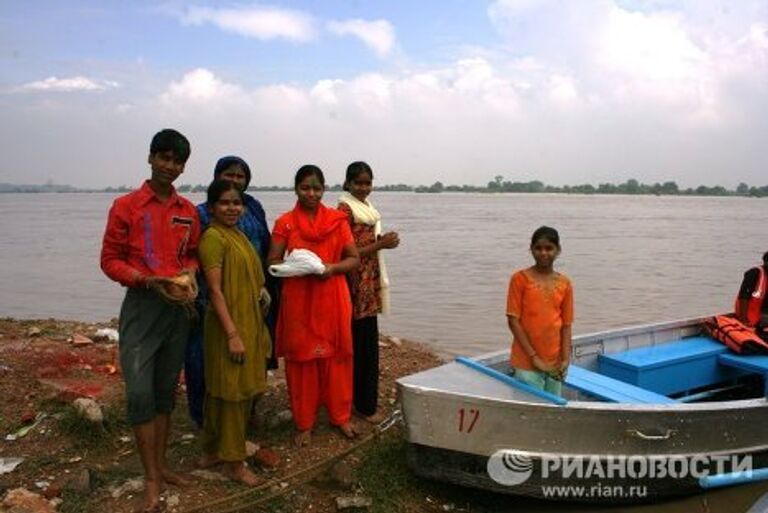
(689,370)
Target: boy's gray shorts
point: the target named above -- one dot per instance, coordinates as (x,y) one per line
(153,334)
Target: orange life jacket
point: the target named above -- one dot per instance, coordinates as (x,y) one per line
(755,301)
(738,337)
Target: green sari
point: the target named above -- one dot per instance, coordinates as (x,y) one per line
(242,278)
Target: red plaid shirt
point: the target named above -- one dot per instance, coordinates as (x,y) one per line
(146,237)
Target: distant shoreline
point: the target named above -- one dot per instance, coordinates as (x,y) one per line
(497,186)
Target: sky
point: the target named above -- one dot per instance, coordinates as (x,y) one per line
(460,91)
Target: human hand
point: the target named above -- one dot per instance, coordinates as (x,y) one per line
(166,288)
(562,369)
(330,270)
(181,288)
(156,283)
(265,300)
(176,292)
(236,348)
(541,365)
(389,240)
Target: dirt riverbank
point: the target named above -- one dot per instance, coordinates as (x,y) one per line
(86,467)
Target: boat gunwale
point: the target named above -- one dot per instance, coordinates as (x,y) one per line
(741,404)
(596,405)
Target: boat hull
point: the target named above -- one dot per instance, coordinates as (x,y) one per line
(470,470)
(458,420)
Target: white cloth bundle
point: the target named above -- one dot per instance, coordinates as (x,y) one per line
(364,212)
(299,262)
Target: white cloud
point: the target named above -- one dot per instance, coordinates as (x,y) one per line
(324,92)
(68,85)
(758,35)
(201,86)
(677,60)
(563,89)
(650,46)
(572,92)
(281,98)
(379,35)
(259,22)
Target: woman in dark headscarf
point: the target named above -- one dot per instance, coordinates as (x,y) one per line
(253,224)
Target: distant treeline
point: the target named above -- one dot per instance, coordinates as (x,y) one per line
(497,185)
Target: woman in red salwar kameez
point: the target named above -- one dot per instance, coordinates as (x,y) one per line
(313,332)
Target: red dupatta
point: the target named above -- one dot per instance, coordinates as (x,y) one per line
(315,318)
(325,222)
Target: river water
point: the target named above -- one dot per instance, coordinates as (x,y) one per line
(632,260)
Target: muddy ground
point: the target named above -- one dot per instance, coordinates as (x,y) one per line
(86,467)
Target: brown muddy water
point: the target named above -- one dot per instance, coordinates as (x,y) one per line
(632,260)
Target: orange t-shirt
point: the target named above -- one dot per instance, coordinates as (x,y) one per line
(542,312)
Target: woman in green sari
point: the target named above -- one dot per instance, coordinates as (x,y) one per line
(237,341)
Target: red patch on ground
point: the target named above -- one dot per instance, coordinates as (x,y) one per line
(87,371)
(61,362)
(69,389)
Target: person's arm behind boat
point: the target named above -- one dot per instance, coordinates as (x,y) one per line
(748,285)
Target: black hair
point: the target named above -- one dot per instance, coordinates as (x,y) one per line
(225,163)
(308,170)
(356,169)
(219,187)
(765,258)
(169,139)
(547,233)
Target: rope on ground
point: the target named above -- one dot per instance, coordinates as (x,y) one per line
(307,474)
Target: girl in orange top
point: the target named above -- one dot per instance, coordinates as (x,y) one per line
(314,324)
(540,314)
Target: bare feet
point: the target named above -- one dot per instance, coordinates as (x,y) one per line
(175,479)
(348,430)
(376,418)
(239,471)
(267,458)
(208,461)
(302,438)
(152,502)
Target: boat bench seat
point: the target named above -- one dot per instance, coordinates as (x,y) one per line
(609,389)
(755,364)
(671,367)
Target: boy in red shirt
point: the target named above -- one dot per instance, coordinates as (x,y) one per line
(149,243)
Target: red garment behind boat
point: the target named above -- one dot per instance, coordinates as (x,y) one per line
(315,314)
(753,289)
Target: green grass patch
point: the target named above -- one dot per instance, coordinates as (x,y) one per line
(40,463)
(115,475)
(384,474)
(74,502)
(91,435)
(386,478)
